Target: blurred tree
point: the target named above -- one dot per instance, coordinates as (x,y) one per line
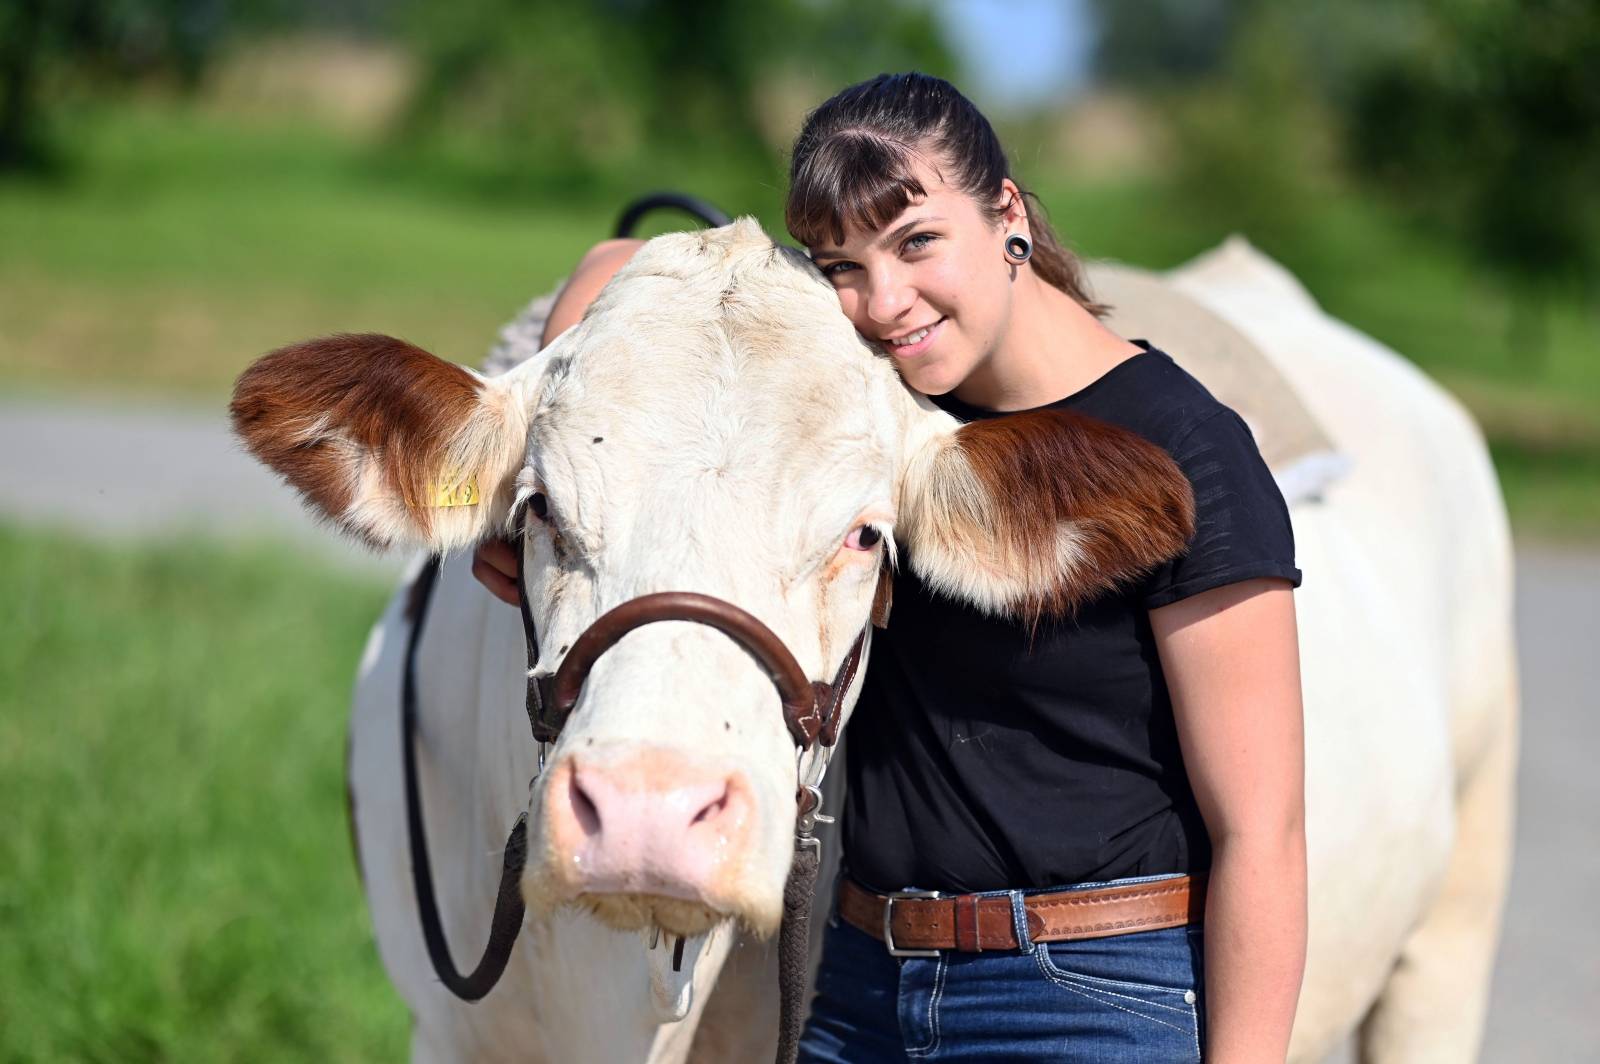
(1150,44)
(46,44)
(55,50)
(1482,116)
(21,33)
(1486,116)
(587,86)
(540,80)
(1248,131)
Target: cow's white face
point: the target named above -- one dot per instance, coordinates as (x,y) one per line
(713,425)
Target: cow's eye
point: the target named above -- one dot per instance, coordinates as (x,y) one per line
(539,505)
(863,537)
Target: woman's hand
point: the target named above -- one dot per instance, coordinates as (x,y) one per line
(495,565)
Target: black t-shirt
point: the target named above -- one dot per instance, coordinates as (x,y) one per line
(984,756)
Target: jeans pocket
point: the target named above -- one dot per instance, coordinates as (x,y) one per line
(1146,986)
(921,988)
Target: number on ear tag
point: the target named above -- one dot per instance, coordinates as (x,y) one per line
(444,496)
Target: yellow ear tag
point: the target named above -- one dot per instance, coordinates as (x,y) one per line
(444,496)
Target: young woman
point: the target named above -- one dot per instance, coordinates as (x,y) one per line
(1147,749)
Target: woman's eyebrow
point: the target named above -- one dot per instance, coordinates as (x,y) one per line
(887,240)
(901,231)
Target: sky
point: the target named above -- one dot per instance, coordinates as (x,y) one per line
(1020,52)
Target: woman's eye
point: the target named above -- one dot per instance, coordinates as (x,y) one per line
(864,537)
(539,506)
(834,269)
(919,242)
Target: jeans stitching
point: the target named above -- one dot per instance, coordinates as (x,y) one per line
(1065,979)
(1194,1004)
(1092,992)
(933,1011)
(1125,983)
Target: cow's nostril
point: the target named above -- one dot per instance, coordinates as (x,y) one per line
(712,808)
(584,810)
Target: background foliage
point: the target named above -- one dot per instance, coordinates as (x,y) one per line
(1480,118)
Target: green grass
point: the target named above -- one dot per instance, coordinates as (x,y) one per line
(177,878)
(184,247)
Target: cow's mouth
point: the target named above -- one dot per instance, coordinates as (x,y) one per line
(642,912)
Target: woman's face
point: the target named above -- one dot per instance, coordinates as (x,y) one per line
(932,288)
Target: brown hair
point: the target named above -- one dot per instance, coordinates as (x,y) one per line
(851,167)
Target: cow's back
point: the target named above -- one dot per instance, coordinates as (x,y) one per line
(1405,614)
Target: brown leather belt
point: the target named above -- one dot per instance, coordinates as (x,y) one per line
(920,923)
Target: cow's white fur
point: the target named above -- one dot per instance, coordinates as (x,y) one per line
(1407,653)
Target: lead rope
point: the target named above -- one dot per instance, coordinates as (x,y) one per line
(506,923)
(794,938)
(800,888)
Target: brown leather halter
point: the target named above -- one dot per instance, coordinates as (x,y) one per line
(811,712)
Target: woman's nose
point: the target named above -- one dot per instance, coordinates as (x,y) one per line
(888,296)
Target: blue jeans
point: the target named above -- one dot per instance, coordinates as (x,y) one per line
(1128,998)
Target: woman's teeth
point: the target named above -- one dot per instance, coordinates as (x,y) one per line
(920,334)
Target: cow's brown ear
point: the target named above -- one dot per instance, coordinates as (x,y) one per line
(1034,514)
(390,443)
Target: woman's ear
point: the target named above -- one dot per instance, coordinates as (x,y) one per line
(1013,208)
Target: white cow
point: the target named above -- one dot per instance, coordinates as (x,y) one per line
(714,424)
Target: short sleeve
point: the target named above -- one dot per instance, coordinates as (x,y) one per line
(1242,529)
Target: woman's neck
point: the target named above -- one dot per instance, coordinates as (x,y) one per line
(1052,348)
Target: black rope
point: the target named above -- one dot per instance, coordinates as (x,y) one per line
(506,924)
(693,206)
(794,943)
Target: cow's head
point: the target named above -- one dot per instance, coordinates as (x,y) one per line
(715,425)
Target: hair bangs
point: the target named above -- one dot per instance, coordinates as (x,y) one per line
(854,180)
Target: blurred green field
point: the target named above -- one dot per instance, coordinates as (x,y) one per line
(184,243)
(178,883)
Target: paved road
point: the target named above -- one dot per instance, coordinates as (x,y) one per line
(108,470)
(149,472)
(1546,996)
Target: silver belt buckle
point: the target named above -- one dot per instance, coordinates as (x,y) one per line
(888,913)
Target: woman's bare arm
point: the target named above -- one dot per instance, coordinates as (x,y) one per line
(495,562)
(598,265)
(1232,662)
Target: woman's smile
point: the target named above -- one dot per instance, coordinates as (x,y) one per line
(914,343)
